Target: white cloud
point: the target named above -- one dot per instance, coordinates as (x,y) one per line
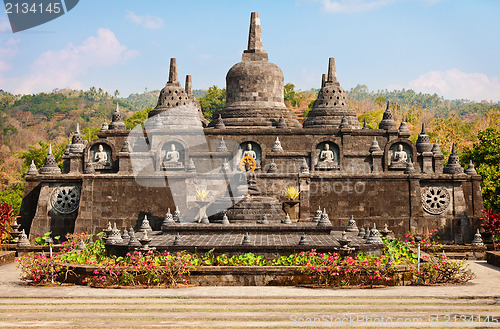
(64,68)
(356,6)
(454,84)
(146,21)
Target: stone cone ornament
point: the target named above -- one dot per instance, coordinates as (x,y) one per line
(114,236)
(77,145)
(351,226)
(287,220)
(32,169)
(177,239)
(191,167)
(219,123)
(246,239)
(204,220)
(145,240)
(222,146)
(225,220)
(264,220)
(272,167)
(344,124)
(108,229)
(478,240)
(133,242)
(145,225)
(104,126)
(282,122)
(436,151)
(423,144)
(470,169)
(277,146)
(324,221)
(125,235)
(403,129)
(453,166)
(317,215)
(304,168)
(23,240)
(168,219)
(126,147)
(50,166)
(177,215)
(375,147)
(361,232)
(303,239)
(374,237)
(387,122)
(117,120)
(367,233)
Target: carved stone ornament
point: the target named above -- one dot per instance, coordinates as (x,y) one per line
(435,199)
(65,199)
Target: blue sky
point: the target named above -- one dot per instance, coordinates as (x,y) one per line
(450,47)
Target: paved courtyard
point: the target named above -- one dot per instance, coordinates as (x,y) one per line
(266,307)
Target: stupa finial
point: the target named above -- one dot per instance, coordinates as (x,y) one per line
(172,76)
(189,85)
(332,73)
(255,34)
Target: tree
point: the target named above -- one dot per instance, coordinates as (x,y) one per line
(485,156)
(138,118)
(116,93)
(212,102)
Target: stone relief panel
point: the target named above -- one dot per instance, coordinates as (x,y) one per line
(101,156)
(327,156)
(65,199)
(399,155)
(435,199)
(172,156)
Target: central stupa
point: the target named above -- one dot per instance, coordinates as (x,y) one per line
(254,88)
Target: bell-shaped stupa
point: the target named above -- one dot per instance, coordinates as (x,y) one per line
(254,88)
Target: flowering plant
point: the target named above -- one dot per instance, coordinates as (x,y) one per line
(429,240)
(6,217)
(492,224)
(440,270)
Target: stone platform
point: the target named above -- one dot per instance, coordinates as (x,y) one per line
(266,240)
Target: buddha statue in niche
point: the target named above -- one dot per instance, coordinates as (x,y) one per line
(327,155)
(399,157)
(172,159)
(100,160)
(249,152)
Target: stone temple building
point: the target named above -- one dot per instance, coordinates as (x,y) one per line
(222,183)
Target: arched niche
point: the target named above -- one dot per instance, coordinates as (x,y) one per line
(172,155)
(250,148)
(398,152)
(102,155)
(326,156)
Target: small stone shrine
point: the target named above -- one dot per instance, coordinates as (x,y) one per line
(223,177)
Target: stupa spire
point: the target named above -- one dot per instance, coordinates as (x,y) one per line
(172,75)
(332,73)
(255,34)
(189,85)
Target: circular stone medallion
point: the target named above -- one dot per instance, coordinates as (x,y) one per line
(435,199)
(65,199)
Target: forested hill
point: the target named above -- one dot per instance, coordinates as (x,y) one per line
(440,107)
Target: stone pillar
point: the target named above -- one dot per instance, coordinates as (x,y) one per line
(462,231)
(73,163)
(427,162)
(415,202)
(84,221)
(377,165)
(304,197)
(438,163)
